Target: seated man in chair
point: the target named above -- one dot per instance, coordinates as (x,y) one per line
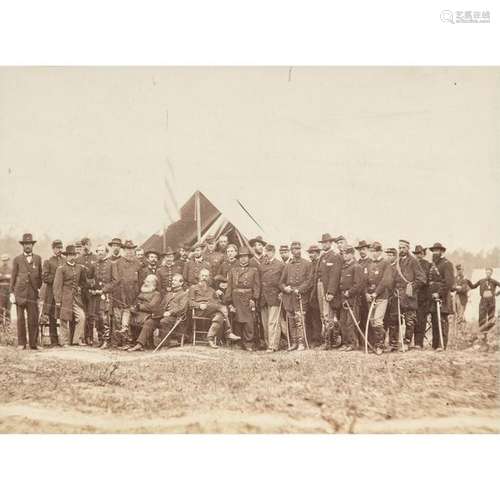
(172,310)
(206,304)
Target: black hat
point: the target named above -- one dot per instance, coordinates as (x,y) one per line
(57,243)
(27,238)
(257,239)
(339,238)
(85,241)
(168,251)
(325,238)
(244,251)
(419,249)
(313,249)
(115,241)
(437,246)
(70,250)
(270,248)
(362,244)
(129,245)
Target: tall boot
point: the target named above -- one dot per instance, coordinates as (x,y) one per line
(327,345)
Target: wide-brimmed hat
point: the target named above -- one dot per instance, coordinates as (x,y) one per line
(128,244)
(57,243)
(362,244)
(313,249)
(152,250)
(326,237)
(27,238)
(244,251)
(70,250)
(257,239)
(339,238)
(437,246)
(419,249)
(115,241)
(168,251)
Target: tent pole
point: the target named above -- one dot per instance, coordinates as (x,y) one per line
(198,216)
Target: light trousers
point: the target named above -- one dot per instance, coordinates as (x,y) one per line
(79,319)
(271,324)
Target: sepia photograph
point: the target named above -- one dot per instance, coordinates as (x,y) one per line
(249,249)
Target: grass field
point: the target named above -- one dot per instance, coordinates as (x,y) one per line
(196,389)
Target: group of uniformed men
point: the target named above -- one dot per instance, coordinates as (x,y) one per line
(379,298)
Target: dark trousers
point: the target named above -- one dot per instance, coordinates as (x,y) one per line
(436,342)
(314,325)
(31,309)
(348,327)
(246,331)
(421,325)
(486,310)
(54,339)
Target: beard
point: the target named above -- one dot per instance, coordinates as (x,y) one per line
(436,257)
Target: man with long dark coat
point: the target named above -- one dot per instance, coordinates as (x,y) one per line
(25,283)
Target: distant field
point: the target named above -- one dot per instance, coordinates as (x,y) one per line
(196,389)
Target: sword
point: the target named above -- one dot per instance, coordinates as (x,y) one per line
(303,319)
(348,307)
(438,310)
(178,320)
(368,324)
(401,324)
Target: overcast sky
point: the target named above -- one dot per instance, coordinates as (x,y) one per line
(376,153)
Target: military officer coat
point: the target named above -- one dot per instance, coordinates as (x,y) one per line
(441,280)
(49,269)
(68,283)
(243,285)
(270,275)
(298,274)
(408,272)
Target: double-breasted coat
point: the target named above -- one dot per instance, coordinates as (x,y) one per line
(408,272)
(126,281)
(351,283)
(270,276)
(26,278)
(298,274)
(243,285)
(192,270)
(68,283)
(165,274)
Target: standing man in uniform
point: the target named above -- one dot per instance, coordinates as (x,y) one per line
(126,285)
(166,272)
(5,276)
(69,281)
(296,283)
(423,305)
(487,291)
(379,283)
(441,281)
(409,278)
(461,288)
(182,255)
(364,262)
(285,254)
(87,259)
(25,283)
(150,266)
(195,265)
(212,256)
(49,269)
(100,291)
(313,316)
(242,296)
(350,286)
(270,275)
(229,260)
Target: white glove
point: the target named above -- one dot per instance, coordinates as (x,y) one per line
(12,298)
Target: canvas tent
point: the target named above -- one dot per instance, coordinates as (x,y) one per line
(217,216)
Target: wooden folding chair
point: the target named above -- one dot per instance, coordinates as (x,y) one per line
(199,324)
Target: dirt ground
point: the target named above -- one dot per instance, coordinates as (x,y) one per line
(199,390)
